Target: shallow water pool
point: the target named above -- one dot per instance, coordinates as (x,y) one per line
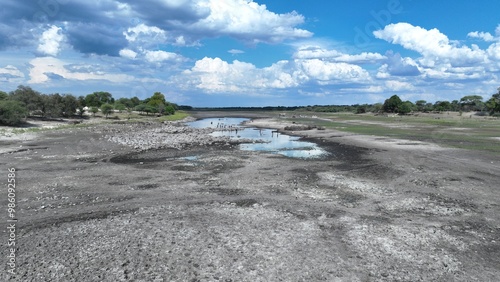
(267,140)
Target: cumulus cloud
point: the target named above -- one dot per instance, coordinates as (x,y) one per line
(141,30)
(50,41)
(249,21)
(486,36)
(394,85)
(108,26)
(215,75)
(331,73)
(127,53)
(435,47)
(317,52)
(160,56)
(43,68)
(11,74)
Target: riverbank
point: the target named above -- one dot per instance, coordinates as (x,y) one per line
(95,207)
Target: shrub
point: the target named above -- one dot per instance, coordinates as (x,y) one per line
(12,112)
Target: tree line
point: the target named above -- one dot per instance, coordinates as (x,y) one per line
(394,104)
(25,102)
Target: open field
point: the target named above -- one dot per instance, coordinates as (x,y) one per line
(448,129)
(396,199)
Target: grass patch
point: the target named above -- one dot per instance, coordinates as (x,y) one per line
(177,116)
(448,131)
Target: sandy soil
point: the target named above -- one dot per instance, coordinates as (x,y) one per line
(162,202)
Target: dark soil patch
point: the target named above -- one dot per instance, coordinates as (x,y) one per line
(227,192)
(147,186)
(245,202)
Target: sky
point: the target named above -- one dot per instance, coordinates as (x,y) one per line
(219,53)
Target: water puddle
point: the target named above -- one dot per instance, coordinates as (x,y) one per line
(190,158)
(267,140)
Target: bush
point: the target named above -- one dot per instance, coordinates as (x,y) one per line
(12,112)
(106,109)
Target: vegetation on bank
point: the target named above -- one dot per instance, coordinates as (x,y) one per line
(25,102)
(393,104)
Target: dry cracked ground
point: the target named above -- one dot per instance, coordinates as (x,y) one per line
(105,203)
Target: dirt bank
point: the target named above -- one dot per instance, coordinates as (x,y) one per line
(162,202)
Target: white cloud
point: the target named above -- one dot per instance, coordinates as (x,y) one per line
(45,67)
(249,21)
(494,53)
(11,74)
(160,56)
(127,53)
(50,41)
(235,51)
(317,52)
(143,31)
(435,47)
(215,75)
(394,85)
(332,73)
(486,36)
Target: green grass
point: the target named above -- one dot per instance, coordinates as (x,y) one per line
(177,116)
(456,132)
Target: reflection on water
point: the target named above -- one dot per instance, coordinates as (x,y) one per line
(277,143)
(217,122)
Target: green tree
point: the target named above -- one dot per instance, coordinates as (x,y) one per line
(126,102)
(135,101)
(12,112)
(441,106)
(392,104)
(97,99)
(120,107)
(169,110)
(158,102)
(106,109)
(94,110)
(405,107)
(69,105)
(3,96)
(493,104)
(472,103)
(420,105)
(30,98)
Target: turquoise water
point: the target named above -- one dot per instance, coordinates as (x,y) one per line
(282,144)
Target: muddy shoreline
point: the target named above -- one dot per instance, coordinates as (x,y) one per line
(121,202)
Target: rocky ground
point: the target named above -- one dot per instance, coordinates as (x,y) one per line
(163,202)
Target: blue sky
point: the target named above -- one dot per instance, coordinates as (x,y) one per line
(253,53)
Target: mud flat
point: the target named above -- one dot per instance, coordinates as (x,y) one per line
(164,202)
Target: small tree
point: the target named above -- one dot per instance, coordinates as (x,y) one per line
(405,107)
(472,103)
(106,109)
(493,104)
(392,104)
(3,95)
(169,110)
(12,112)
(420,105)
(120,107)
(94,110)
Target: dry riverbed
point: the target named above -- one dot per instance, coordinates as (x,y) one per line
(165,202)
